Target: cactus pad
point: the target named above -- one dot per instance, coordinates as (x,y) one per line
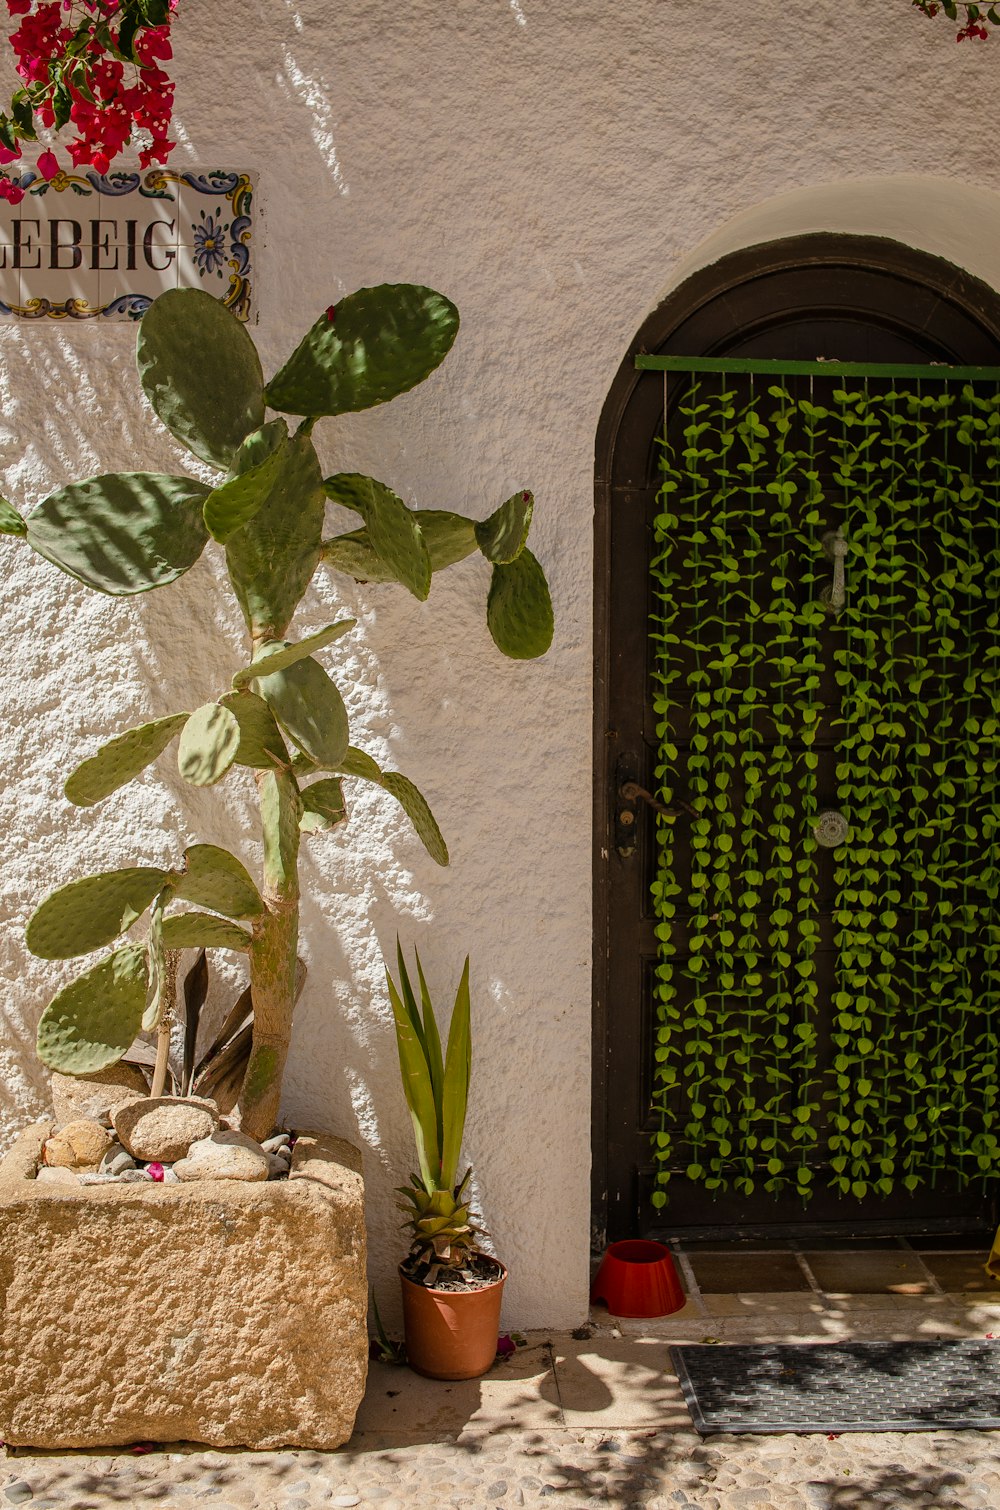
(200,930)
(448,537)
(392,528)
(323,805)
(503,536)
(271,559)
(415,807)
(92,912)
(373,345)
(519,609)
(122,533)
(309,708)
(209,744)
(201,373)
(229,507)
(11,522)
(261,745)
(275,655)
(280,812)
(357,763)
(214,878)
(258,446)
(355,555)
(92,1021)
(121,759)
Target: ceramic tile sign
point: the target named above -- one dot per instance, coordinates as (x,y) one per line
(87,246)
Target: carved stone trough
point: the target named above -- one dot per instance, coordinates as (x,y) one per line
(218,1311)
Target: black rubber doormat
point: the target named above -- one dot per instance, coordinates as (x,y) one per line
(842,1386)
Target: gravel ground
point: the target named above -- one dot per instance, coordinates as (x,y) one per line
(658,1470)
(594,1419)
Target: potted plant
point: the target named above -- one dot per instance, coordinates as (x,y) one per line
(282,725)
(452,1289)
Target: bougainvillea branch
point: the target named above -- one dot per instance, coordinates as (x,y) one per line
(95,66)
(975,20)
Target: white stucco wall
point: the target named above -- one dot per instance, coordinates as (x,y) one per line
(552,165)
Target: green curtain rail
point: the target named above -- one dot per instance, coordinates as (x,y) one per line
(730,365)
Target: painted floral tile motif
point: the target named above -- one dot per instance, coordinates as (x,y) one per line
(86,246)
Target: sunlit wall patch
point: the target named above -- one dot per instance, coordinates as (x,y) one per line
(84,246)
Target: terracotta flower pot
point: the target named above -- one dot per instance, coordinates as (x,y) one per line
(451,1334)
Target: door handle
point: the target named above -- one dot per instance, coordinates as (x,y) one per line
(633,792)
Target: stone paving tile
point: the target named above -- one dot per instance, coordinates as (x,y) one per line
(520,1390)
(619,1384)
(869,1273)
(724,1273)
(961,1272)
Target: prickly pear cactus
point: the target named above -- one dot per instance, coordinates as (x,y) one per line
(283,719)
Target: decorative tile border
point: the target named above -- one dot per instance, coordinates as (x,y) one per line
(83,246)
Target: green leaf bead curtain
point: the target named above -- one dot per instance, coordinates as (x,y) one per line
(827,1014)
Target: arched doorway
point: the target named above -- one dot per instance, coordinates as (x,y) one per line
(851,298)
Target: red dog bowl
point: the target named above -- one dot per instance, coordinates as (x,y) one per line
(637,1278)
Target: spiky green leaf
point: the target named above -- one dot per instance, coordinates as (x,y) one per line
(309,708)
(392,528)
(502,537)
(233,504)
(457,1069)
(121,760)
(519,609)
(275,655)
(416,809)
(209,744)
(261,745)
(11,522)
(432,1043)
(323,805)
(201,373)
(377,343)
(417,1089)
(200,930)
(272,558)
(92,912)
(214,878)
(125,532)
(92,1021)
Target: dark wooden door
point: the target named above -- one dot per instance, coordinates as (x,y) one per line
(851,302)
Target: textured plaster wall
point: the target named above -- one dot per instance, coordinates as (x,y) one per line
(553,165)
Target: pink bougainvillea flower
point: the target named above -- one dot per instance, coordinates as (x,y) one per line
(48,166)
(11,192)
(156,1172)
(505,1346)
(10,155)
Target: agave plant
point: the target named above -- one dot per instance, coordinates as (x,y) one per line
(282,721)
(436,1088)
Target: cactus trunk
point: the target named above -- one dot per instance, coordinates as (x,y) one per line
(273,954)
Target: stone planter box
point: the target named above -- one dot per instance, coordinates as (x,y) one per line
(218,1311)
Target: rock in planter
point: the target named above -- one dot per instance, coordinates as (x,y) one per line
(178,1332)
(57,1175)
(79,1145)
(162,1128)
(98,1094)
(224,1156)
